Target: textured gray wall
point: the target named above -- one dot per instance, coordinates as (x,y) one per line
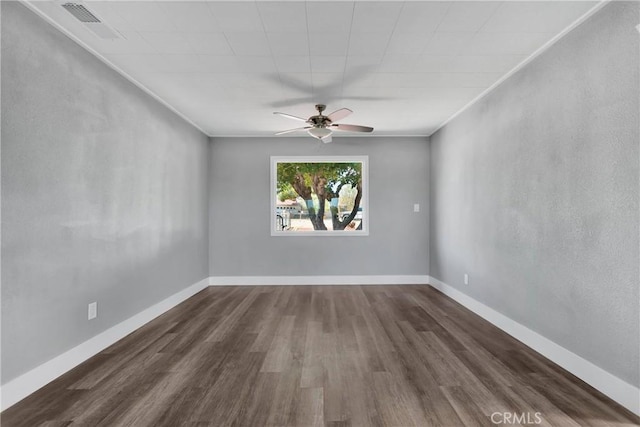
(241,243)
(535,194)
(104,195)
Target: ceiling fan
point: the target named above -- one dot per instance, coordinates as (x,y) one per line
(321,126)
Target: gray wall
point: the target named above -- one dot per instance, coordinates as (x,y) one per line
(241,243)
(535,194)
(104,195)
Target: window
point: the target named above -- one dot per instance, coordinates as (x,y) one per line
(319,196)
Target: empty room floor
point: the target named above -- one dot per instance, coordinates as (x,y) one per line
(313,356)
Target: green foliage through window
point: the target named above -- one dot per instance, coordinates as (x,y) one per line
(339,183)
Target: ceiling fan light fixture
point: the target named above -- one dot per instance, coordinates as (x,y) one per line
(320,132)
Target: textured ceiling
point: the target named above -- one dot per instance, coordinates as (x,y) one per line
(402,67)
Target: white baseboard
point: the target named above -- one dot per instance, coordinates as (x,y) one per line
(317,280)
(19,388)
(622,392)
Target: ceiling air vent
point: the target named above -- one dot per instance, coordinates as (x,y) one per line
(91,21)
(80,12)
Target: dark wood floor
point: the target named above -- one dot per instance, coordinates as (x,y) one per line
(307,356)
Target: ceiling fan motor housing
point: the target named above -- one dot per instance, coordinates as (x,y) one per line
(319,121)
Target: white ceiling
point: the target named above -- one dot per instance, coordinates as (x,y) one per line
(402,67)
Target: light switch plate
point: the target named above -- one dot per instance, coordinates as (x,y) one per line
(93,310)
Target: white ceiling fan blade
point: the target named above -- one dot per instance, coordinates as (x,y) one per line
(327,139)
(339,114)
(292,130)
(352,128)
(291,117)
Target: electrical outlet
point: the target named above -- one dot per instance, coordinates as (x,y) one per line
(466,279)
(93,310)
(416,207)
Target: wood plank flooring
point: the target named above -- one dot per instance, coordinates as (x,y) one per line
(317,356)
